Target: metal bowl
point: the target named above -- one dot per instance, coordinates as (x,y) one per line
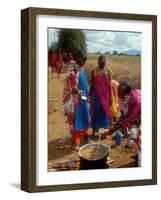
(95,162)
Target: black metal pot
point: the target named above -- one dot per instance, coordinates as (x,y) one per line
(96,163)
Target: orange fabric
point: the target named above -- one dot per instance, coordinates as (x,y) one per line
(77,135)
(114,87)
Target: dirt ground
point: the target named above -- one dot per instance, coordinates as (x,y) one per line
(57,130)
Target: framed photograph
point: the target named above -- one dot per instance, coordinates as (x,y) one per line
(89,99)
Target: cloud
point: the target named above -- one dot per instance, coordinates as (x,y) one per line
(52,35)
(103,41)
(120,38)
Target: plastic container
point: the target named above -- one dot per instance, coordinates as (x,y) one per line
(118,138)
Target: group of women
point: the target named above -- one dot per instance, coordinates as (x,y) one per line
(97,103)
(57,60)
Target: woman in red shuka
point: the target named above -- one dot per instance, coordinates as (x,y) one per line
(51,60)
(59,63)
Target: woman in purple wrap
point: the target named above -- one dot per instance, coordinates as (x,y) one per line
(132,113)
(132,102)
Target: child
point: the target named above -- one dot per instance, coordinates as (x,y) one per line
(75,108)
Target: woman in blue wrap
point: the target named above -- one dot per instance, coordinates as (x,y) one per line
(75,99)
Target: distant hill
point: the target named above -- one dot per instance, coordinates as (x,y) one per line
(133,52)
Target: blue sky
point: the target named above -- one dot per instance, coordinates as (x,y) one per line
(103,41)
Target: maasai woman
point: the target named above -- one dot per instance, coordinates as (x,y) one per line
(75,99)
(70,58)
(132,102)
(115,109)
(100,96)
(59,63)
(132,111)
(51,60)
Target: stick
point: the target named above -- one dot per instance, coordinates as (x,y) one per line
(109,162)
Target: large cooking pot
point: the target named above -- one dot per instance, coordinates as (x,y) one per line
(92,157)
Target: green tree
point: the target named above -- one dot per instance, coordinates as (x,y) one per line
(107,53)
(121,54)
(114,53)
(71,40)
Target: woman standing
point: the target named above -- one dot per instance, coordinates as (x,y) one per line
(59,63)
(75,100)
(100,93)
